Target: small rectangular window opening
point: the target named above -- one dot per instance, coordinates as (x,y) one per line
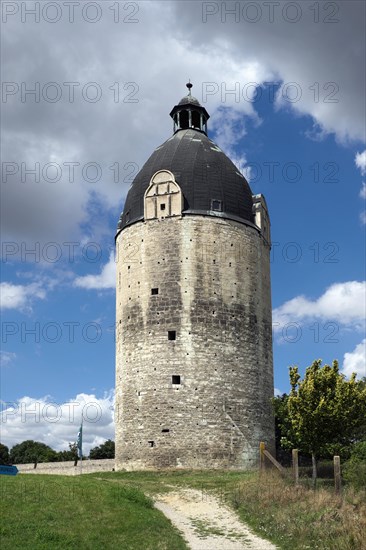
(162,206)
(151,443)
(127,217)
(171,334)
(165,431)
(176,379)
(216,205)
(154,291)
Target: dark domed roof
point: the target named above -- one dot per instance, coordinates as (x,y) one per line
(203,172)
(189,100)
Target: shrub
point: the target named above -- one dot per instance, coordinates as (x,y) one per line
(4,454)
(354,470)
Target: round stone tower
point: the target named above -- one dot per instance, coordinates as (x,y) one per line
(194,368)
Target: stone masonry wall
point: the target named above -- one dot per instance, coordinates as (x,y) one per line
(67,468)
(213,281)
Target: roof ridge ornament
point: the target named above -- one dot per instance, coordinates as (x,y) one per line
(189,86)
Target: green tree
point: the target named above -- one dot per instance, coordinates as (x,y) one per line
(74,452)
(282,427)
(63,456)
(354,469)
(32,451)
(325,412)
(4,454)
(106,450)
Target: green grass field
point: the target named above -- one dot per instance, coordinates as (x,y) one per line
(114,510)
(60,512)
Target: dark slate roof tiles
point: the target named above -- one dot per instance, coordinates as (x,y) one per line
(203,172)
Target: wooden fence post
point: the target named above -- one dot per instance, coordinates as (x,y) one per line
(295,465)
(262,447)
(337,474)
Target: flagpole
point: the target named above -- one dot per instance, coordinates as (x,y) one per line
(80,446)
(81,449)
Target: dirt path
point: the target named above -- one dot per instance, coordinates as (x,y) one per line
(206,523)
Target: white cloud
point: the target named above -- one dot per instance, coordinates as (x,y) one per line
(310,66)
(355,361)
(6,357)
(363,191)
(225,55)
(20,296)
(360,161)
(41,133)
(341,302)
(277,392)
(106,279)
(57,424)
(229,128)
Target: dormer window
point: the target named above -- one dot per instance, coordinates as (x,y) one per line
(163,198)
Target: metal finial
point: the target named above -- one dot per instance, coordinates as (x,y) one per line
(189,86)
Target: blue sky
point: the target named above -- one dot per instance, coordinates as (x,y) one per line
(307,157)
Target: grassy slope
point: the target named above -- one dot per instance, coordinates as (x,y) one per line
(294,519)
(54,512)
(108,510)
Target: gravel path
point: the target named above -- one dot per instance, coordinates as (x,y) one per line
(206,523)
